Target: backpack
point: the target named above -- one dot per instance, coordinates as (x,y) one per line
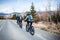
(20,17)
(30,18)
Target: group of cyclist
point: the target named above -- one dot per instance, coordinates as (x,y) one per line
(29,19)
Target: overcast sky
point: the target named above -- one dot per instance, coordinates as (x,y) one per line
(8,6)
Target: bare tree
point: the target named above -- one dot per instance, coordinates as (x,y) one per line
(49,9)
(58,11)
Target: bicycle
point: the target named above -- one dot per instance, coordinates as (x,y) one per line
(30,29)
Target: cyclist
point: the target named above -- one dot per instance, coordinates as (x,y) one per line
(19,20)
(29,19)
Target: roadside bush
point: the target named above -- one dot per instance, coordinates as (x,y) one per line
(14,17)
(36,18)
(55,18)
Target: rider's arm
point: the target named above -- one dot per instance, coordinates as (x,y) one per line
(26,18)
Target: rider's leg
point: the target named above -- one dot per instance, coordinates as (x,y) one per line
(27,22)
(20,22)
(30,23)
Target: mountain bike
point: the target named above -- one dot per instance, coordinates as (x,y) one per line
(30,29)
(20,24)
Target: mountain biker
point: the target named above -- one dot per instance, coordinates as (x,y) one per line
(29,27)
(19,19)
(29,19)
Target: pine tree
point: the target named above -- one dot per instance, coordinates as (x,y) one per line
(14,17)
(33,12)
(33,9)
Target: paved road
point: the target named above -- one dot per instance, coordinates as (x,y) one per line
(11,31)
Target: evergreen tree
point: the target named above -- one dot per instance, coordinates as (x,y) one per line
(33,9)
(33,12)
(14,17)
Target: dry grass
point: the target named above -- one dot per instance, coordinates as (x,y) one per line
(46,26)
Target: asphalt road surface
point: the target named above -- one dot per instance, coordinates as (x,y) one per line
(11,31)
